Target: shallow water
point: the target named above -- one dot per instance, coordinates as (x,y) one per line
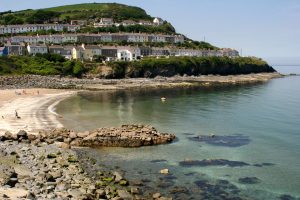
(265,116)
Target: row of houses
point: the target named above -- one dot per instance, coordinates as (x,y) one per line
(126,53)
(74,26)
(97,38)
(108,22)
(25,28)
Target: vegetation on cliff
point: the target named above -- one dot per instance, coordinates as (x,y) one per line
(46,64)
(152,67)
(52,64)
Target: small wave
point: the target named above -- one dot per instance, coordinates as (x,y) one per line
(52,107)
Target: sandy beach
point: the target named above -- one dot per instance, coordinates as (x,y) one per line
(34,108)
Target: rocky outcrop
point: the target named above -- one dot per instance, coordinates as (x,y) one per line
(96,83)
(124,136)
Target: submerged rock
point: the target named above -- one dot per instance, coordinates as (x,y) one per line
(264,164)
(222,140)
(158,161)
(212,162)
(249,180)
(287,197)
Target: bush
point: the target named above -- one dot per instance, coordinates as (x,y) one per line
(78,69)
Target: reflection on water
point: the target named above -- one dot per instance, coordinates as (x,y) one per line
(265,116)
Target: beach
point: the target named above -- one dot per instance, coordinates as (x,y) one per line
(30,109)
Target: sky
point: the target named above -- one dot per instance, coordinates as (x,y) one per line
(269,29)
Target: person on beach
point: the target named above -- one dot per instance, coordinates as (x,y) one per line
(38,92)
(17,115)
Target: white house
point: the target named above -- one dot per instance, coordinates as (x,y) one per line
(157,38)
(104,22)
(128,23)
(145,23)
(69,38)
(24,28)
(34,49)
(137,37)
(158,21)
(127,53)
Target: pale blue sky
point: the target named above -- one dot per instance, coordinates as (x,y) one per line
(263,28)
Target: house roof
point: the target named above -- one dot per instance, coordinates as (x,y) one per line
(92,47)
(37,46)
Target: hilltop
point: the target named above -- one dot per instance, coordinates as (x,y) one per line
(85,11)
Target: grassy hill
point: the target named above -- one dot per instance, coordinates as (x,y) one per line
(86,11)
(77,11)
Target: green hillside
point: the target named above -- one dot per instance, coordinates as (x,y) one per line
(78,11)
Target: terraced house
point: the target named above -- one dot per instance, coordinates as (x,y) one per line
(25,28)
(98,38)
(34,49)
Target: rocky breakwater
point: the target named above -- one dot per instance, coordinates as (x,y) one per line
(124,136)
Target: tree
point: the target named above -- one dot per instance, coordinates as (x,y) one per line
(41,16)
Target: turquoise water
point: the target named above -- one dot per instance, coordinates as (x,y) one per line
(266,114)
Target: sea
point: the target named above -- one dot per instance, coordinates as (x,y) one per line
(233,141)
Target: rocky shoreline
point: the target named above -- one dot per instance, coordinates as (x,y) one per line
(46,166)
(92,83)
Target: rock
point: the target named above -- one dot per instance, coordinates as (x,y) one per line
(156,195)
(9,136)
(83,134)
(100,192)
(32,137)
(164,171)
(123,194)
(56,174)
(50,178)
(118,176)
(72,159)
(12,182)
(164,198)
(75,193)
(72,135)
(63,145)
(135,190)
(123,182)
(22,135)
(62,187)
